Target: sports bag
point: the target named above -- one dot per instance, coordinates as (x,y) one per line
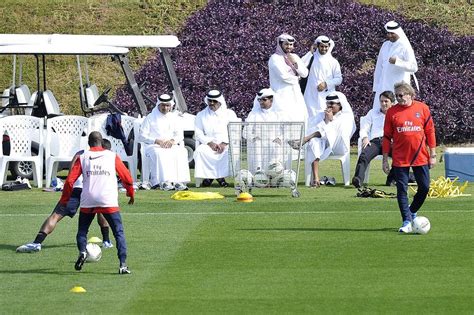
(14,186)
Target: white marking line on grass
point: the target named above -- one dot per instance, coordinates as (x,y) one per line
(240,213)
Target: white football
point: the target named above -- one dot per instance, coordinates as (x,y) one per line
(244,178)
(421,225)
(287,179)
(260,179)
(94,252)
(275,169)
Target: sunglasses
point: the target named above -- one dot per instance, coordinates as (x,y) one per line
(263,99)
(400,95)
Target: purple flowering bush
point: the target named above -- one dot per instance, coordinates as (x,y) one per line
(227,46)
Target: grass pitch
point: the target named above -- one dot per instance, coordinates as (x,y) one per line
(325,252)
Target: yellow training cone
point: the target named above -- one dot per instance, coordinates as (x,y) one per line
(78,289)
(245,197)
(94,239)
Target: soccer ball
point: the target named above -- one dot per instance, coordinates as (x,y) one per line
(94,253)
(275,169)
(421,225)
(260,179)
(286,179)
(244,178)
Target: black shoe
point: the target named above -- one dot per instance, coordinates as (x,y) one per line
(356,182)
(331,181)
(80,260)
(222,182)
(206,182)
(323,180)
(124,270)
(390,181)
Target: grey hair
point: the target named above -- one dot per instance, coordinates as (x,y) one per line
(405,87)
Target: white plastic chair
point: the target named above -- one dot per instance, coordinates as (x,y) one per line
(145,171)
(97,123)
(65,136)
(22,131)
(197,180)
(345,167)
(359,150)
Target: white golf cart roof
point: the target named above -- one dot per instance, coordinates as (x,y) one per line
(51,49)
(130,41)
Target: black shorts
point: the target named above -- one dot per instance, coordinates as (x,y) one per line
(72,205)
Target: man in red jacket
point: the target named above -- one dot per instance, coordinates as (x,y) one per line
(409,130)
(99,195)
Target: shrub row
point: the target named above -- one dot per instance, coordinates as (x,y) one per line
(227,46)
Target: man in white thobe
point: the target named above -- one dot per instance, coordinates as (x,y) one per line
(211,156)
(285,70)
(263,133)
(396,62)
(329,132)
(324,75)
(163,134)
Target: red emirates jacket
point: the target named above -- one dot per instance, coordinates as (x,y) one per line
(408,130)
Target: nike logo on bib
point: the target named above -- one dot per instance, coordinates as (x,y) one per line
(93,158)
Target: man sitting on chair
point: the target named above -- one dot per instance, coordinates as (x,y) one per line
(371,147)
(211,157)
(263,140)
(163,132)
(329,132)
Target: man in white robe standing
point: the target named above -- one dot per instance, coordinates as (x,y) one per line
(285,70)
(329,132)
(263,140)
(211,156)
(168,158)
(396,62)
(324,75)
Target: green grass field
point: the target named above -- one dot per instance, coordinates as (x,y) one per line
(325,252)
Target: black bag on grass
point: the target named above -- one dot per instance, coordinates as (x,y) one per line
(13,186)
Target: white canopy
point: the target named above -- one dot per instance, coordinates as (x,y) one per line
(156,41)
(46,49)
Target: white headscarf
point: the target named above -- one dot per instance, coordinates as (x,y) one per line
(165,98)
(325,40)
(215,95)
(262,93)
(394,27)
(283,38)
(338,96)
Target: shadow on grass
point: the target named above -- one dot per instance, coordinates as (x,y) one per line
(43,271)
(8,247)
(46,271)
(329,229)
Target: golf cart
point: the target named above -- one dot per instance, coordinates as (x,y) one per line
(42,103)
